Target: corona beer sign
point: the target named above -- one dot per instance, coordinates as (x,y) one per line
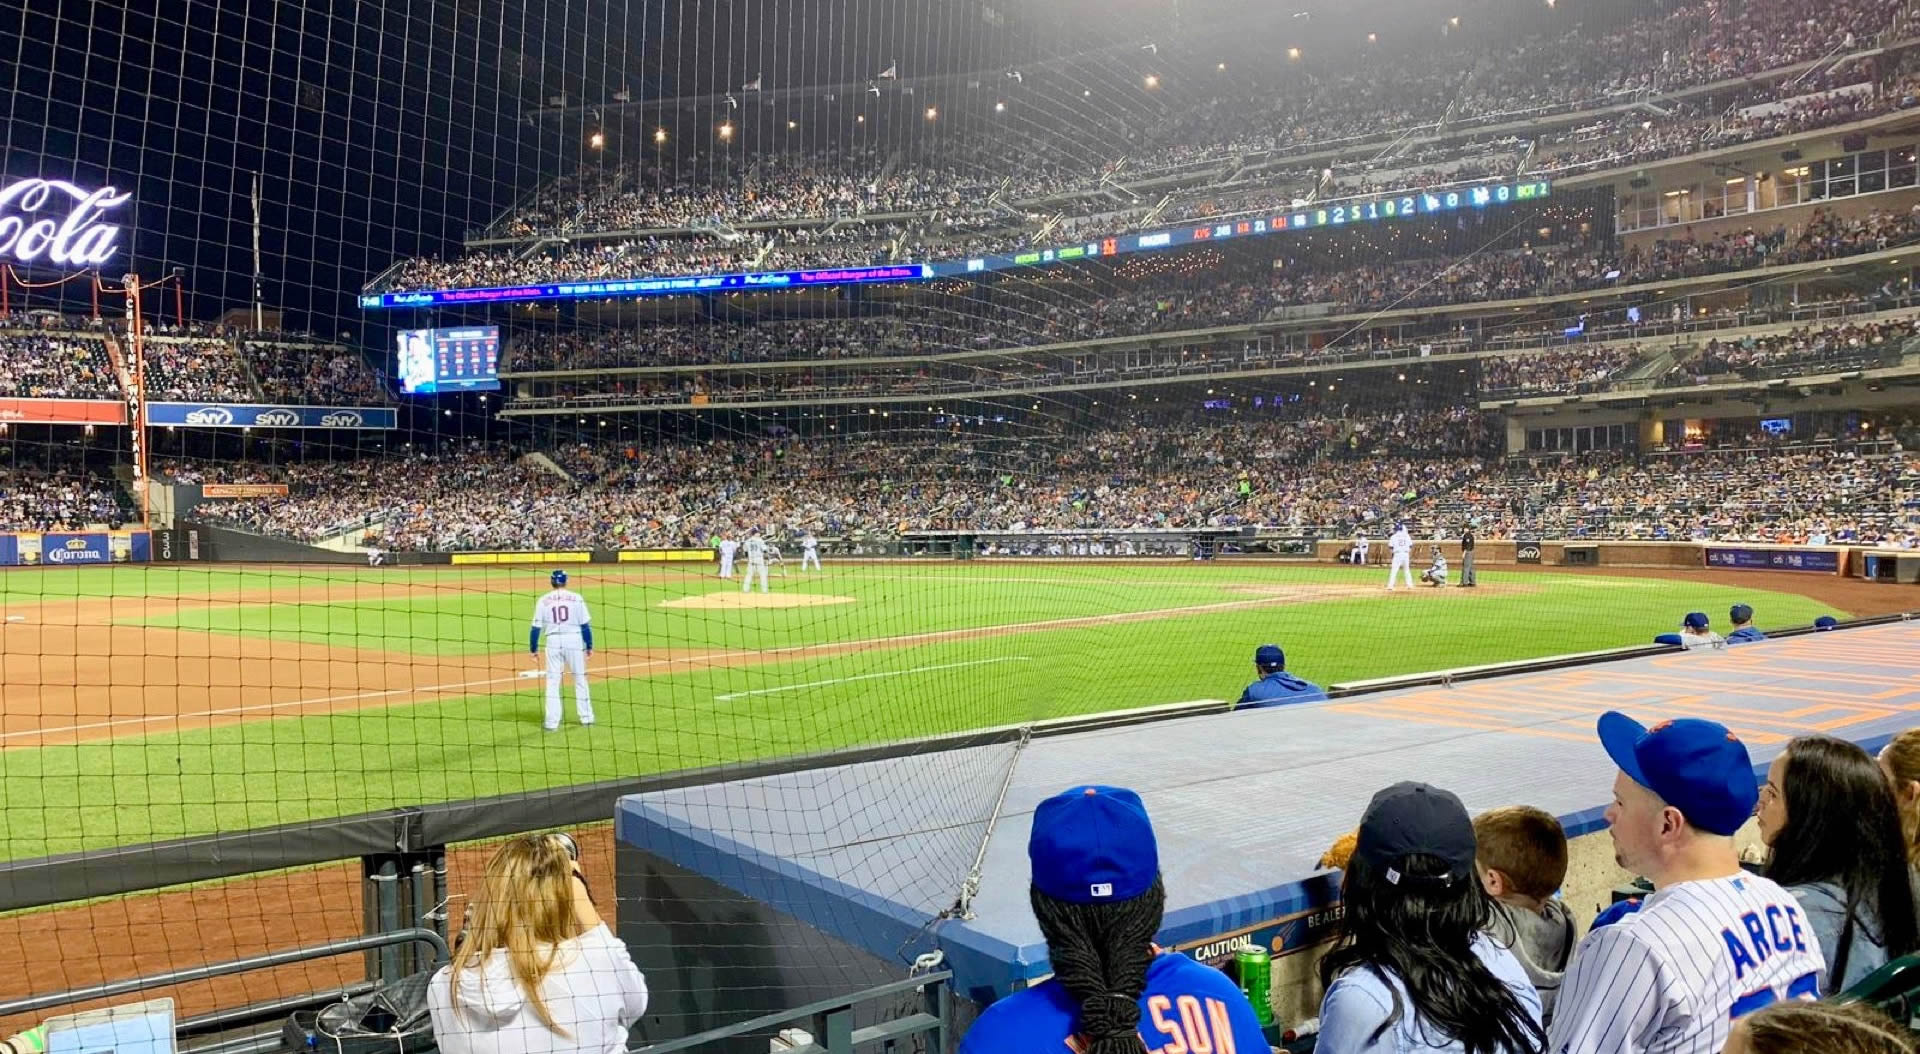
(32,229)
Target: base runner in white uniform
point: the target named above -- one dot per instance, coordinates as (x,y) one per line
(809,551)
(1713,943)
(756,562)
(562,616)
(1402,545)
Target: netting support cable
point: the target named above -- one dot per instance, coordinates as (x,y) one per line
(963,904)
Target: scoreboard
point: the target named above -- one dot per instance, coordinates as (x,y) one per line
(455,359)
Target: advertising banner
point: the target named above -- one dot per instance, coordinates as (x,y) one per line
(1818,561)
(1526,553)
(243,490)
(234,415)
(635,556)
(63,549)
(75,549)
(62,412)
(573,557)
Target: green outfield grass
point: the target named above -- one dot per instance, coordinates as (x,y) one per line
(805,692)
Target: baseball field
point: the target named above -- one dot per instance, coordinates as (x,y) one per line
(144,702)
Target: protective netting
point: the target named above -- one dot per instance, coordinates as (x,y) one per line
(877,373)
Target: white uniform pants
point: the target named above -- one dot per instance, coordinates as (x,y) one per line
(746,584)
(562,655)
(726,566)
(810,556)
(1402,565)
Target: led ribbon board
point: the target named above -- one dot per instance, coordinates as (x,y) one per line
(1407,205)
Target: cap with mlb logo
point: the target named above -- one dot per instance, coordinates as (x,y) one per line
(1093,845)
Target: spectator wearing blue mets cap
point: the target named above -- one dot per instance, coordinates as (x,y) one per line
(1744,631)
(1694,632)
(1098,897)
(1712,943)
(1276,687)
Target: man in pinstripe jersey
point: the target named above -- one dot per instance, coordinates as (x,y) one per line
(1712,942)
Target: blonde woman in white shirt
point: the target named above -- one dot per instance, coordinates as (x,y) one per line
(536,970)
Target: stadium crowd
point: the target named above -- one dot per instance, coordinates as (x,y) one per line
(1193,290)
(291,370)
(57,493)
(55,364)
(1305,468)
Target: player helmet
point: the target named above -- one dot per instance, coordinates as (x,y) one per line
(558,578)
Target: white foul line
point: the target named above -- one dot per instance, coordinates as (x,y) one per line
(870,677)
(930,636)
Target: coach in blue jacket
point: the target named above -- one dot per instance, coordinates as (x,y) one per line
(1744,631)
(1277,687)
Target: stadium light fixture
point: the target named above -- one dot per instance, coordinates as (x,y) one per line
(791,125)
(597,140)
(1293,53)
(932,112)
(726,130)
(659,135)
(1153,80)
(1454,21)
(1222,67)
(1373,38)
(999,107)
(860,119)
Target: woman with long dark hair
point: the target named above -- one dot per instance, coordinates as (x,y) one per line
(1098,898)
(1834,840)
(1415,969)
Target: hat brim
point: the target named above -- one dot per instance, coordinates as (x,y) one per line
(1619,734)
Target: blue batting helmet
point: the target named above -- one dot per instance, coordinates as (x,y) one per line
(558,578)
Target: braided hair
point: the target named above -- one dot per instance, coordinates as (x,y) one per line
(1100,953)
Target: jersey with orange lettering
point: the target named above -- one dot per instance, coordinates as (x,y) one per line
(1187,1008)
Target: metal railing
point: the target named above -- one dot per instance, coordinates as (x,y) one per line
(831,1021)
(109,989)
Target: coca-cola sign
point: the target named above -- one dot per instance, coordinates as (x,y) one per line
(31,229)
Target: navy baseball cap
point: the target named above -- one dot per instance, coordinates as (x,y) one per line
(1409,819)
(1670,638)
(1740,613)
(558,578)
(1093,845)
(1269,655)
(1825,622)
(1698,767)
(1695,620)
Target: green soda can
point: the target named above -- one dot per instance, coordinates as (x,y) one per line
(1255,969)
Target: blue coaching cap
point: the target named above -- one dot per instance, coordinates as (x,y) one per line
(1825,622)
(1670,638)
(1093,845)
(558,578)
(1698,767)
(1269,655)
(1740,613)
(1695,620)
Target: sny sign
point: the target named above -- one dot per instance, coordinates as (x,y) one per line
(79,240)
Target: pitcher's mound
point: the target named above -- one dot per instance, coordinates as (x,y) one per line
(730,599)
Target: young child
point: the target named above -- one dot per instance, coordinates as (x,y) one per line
(1522,859)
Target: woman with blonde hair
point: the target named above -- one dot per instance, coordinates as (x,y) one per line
(536,971)
(1900,760)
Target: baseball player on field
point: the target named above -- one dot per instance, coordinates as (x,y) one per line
(727,548)
(809,551)
(1402,545)
(756,561)
(1436,573)
(562,615)
(1712,943)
